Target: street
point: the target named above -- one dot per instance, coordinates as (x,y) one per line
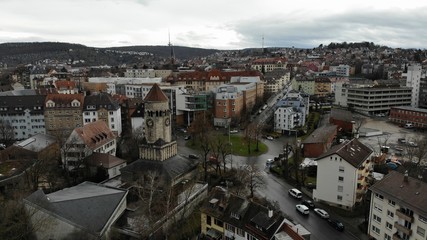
(276,190)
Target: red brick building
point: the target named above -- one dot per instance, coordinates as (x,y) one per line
(342,118)
(319,141)
(406,114)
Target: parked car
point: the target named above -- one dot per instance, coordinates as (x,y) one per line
(269,161)
(270,138)
(193,156)
(302,209)
(401,140)
(295,193)
(336,224)
(234,131)
(322,213)
(188,137)
(413,144)
(308,203)
(409,125)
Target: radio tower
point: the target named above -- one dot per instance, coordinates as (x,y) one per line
(172,56)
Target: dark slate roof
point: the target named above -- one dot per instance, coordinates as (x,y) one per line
(321,135)
(156,95)
(251,217)
(14,103)
(341,114)
(87,205)
(170,168)
(411,193)
(353,151)
(100,100)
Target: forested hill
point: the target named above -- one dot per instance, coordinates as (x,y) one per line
(24,53)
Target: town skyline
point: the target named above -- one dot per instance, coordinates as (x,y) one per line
(219,25)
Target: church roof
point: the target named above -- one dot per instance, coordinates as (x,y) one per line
(156,95)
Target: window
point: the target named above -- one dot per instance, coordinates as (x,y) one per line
(341,168)
(379,196)
(388,225)
(229,227)
(422,219)
(339,197)
(421,231)
(376,218)
(375,230)
(240,232)
(208,220)
(218,222)
(340,178)
(390,214)
(391,202)
(377,207)
(340,188)
(387,237)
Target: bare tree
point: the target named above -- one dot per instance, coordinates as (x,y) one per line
(358,123)
(253,132)
(416,153)
(221,149)
(254,179)
(7,135)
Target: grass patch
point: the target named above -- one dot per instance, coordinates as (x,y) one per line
(238,142)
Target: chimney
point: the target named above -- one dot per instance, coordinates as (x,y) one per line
(270,213)
(405,176)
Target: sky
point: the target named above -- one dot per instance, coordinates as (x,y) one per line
(217,24)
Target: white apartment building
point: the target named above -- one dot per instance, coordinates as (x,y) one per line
(413,80)
(25,114)
(276,80)
(83,141)
(101,106)
(342,174)
(291,112)
(112,82)
(398,208)
(341,70)
(147,73)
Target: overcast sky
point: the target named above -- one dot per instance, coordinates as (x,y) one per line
(219,24)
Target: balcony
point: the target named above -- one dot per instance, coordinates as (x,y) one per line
(402,229)
(397,237)
(404,216)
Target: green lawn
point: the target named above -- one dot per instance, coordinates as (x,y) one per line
(238,142)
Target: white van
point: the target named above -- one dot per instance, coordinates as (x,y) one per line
(295,193)
(409,125)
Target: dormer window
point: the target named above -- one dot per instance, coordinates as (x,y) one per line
(235,215)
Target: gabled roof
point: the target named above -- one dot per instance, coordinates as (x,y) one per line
(105,160)
(353,151)
(156,95)
(101,100)
(95,134)
(321,135)
(88,205)
(64,99)
(17,104)
(65,84)
(411,192)
(170,168)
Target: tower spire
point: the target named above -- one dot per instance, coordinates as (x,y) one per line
(172,56)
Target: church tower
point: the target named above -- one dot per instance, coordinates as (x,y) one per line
(157,144)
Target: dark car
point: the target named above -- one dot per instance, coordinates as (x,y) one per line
(336,224)
(193,156)
(308,203)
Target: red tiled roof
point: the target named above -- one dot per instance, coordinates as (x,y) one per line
(105,160)
(65,98)
(64,84)
(156,95)
(95,134)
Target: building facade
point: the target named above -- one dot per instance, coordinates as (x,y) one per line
(342,174)
(291,112)
(25,114)
(398,208)
(407,114)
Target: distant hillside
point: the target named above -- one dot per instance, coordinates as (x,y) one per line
(24,53)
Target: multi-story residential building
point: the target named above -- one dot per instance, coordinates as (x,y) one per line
(342,174)
(112,82)
(147,73)
(407,114)
(101,106)
(24,114)
(341,70)
(423,92)
(304,84)
(229,103)
(378,99)
(322,86)
(398,208)
(227,216)
(63,113)
(275,80)
(269,64)
(291,112)
(84,141)
(413,81)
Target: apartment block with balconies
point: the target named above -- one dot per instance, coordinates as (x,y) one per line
(398,208)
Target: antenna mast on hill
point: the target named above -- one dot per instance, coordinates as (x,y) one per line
(172,56)
(262,47)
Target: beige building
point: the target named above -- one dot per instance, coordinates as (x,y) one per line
(398,208)
(63,113)
(303,84)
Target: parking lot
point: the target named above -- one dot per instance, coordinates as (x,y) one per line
(390,137)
